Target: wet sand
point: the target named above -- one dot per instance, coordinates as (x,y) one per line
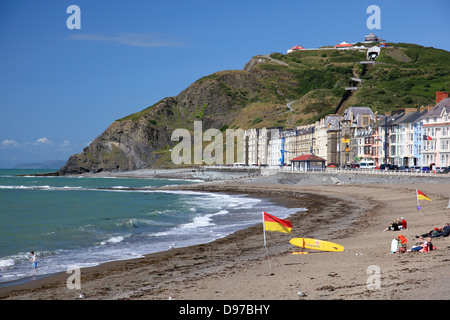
(238,268)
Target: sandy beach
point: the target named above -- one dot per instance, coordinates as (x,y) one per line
(238,268)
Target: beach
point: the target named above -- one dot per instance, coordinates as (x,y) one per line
(238,267)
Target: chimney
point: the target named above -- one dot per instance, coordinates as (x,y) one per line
(440,95)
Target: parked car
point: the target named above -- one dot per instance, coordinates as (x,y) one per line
(332,165)
(367,164)
(440,169)
(416,169)
(354,165)
(425,169)
(404,168)
(387,166)
(447,170)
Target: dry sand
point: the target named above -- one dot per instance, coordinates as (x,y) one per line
(237,267)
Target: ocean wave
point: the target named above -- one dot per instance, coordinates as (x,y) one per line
(115,239)
(46,187)
(6,263)
(132,222)
(199,221)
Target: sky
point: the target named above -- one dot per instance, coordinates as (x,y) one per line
(61,86)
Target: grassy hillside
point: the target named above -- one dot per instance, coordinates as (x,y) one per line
(406,75)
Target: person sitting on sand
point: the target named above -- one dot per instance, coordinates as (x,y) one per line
(418,246)
(404,224)
(427,245)
(402,245)
(393,226)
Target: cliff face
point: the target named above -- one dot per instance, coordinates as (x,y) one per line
(125,145)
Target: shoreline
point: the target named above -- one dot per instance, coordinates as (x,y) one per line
(239,261)
(30,281)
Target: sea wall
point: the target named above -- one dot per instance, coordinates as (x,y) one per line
(274,175)
(343,177)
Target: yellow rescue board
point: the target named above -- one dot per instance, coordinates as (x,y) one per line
(300,252)
(315,244)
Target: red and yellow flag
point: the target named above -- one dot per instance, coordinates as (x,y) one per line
(272,223)
(422,196)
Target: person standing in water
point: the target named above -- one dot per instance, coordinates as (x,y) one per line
(33,260)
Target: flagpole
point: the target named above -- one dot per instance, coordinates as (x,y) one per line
(264,229)
(418,205)
(265,243)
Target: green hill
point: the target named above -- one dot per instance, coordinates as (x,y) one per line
(280,90)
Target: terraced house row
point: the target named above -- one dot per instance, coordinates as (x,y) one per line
(404,137)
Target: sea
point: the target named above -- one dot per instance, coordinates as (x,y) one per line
(78,221)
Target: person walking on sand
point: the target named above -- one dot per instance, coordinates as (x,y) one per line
(33,260)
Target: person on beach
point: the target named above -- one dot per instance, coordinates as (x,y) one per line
(433,233)
(427,245)
(33,260)
(393,226)
(424,245)
(394,246)
(402,243)
(418,246)
(442,232)
(404,224)
(446,230)
(438,232)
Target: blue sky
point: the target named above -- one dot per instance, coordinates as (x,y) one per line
(60,88)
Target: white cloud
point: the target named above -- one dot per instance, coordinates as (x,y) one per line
(147,40)
(42,141)
(8,143)
(66,143)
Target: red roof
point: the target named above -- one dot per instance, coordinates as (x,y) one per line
(299,47)
(343,44)
(308,157)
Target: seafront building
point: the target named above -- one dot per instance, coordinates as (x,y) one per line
(436,133)
(404,137)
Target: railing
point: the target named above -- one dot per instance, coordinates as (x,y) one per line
(367,171)
(386,172)
(268,170)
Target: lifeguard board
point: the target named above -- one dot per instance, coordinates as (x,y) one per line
(315,244)
(299,252)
